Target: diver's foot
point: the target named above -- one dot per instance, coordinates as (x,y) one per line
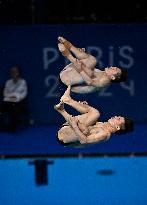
(66,97)
(59,107)
(63,49)
(66,43)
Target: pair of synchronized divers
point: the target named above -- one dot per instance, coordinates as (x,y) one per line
(81,76)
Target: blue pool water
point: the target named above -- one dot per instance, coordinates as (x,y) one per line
(84,181)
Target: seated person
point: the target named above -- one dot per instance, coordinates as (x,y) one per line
(85,129)
(13,102)
(81,73)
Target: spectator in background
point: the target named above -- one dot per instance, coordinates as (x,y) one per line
(14,100)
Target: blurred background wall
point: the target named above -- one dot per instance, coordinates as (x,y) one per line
(35,49)
(115,33)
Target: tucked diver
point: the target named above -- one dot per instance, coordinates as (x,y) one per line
(81,73)
(85,129)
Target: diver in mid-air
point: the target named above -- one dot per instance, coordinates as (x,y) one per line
(81,73)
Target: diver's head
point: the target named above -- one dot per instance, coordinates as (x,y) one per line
(116,74)
(121,124)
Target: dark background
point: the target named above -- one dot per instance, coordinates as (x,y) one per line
(15,12)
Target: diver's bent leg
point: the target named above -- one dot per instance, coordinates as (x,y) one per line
(60,108)
(80,54)
(82,107)
(89,118)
